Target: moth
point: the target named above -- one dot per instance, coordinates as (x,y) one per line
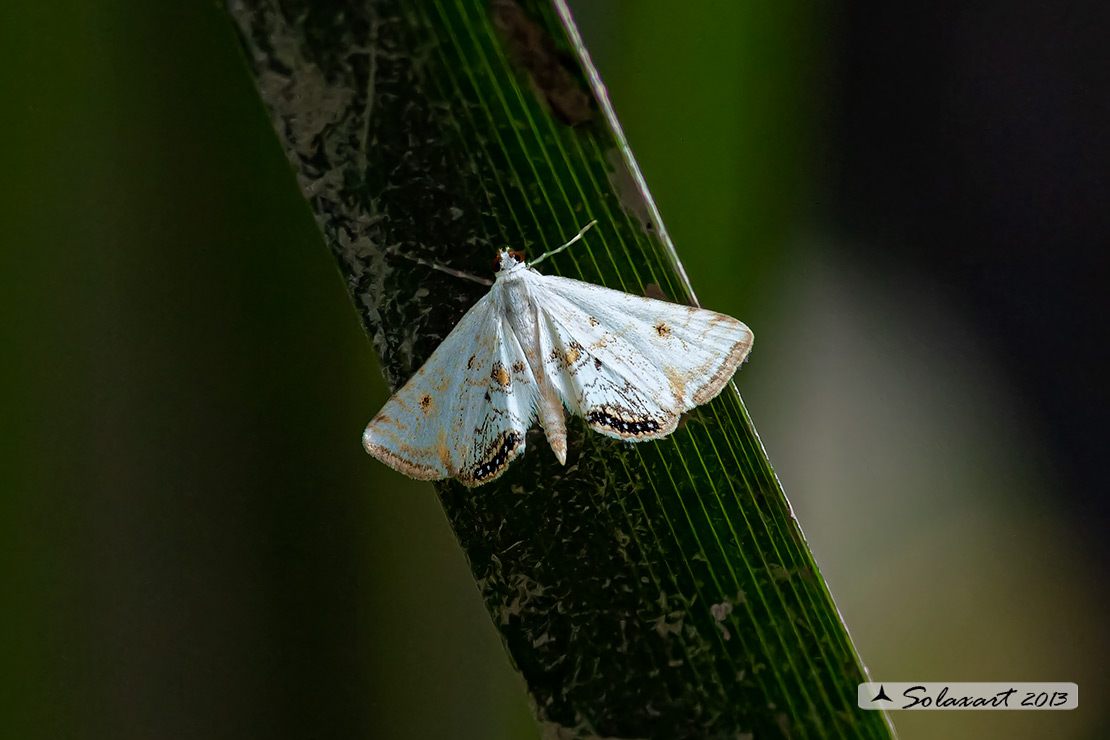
(536,344)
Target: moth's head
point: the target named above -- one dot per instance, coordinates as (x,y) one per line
(507,259)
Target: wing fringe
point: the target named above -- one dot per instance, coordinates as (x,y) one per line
(727,368)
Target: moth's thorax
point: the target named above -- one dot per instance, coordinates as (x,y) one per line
(512,293)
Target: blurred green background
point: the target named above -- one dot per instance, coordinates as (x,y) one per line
(194,544)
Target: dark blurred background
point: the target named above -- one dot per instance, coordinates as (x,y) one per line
(909,203)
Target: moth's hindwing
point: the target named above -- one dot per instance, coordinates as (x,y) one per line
(498,415)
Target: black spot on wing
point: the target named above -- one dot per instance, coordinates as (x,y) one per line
(494,459)
(629,424)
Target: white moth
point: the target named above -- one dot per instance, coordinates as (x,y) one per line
(630,365)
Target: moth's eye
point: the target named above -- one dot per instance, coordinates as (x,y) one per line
(518,256)
(497,262)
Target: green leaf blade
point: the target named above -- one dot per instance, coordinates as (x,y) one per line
(656,590)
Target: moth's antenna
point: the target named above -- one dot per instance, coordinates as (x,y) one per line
(577,237)
(441,268)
